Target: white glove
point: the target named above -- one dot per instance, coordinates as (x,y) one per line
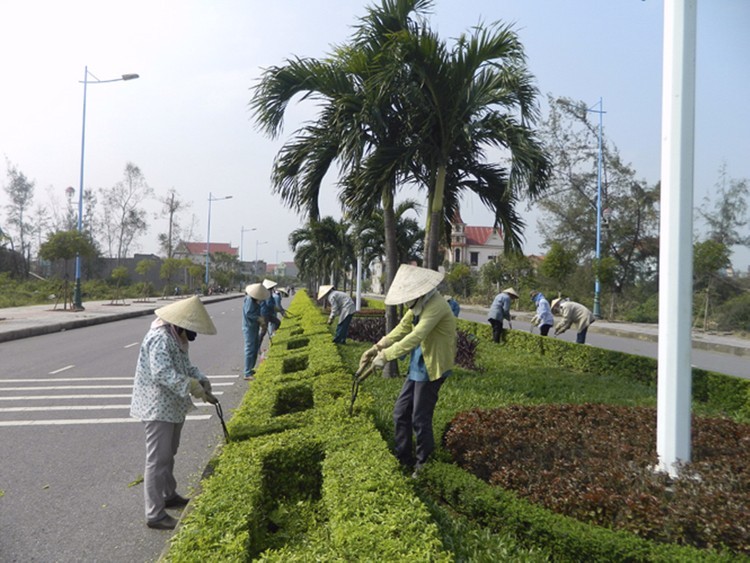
(535,320)
(379,361)
(367,356)
(196,389)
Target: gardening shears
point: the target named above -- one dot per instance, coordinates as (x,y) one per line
(361,374)
(220,414)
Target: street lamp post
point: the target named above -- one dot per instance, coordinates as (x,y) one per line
(242,239)
(208,234)
(77,304)
(255,265)
(597,286)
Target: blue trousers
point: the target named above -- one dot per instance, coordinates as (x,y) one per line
(413,414)
(342,329)
(252,342)
(581,336)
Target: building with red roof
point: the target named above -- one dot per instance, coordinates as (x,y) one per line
(473,245)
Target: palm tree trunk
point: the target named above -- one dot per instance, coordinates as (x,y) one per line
(432,245)
(391,265)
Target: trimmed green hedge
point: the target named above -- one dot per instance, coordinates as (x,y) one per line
(304,481)
(301,479)
(725,392)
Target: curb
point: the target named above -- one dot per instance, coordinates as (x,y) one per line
(91,321)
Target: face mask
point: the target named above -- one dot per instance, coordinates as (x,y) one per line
(189,334)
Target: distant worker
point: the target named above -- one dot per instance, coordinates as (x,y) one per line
(268,312)
(572,314)
(455,307)
(252,319)
(341,305)
(500,311)
(543,317)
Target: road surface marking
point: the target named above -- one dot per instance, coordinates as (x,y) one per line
(38,397)
(78,421)
(76,408)
(68,379)
(61,387)
(130,345)
(61,369)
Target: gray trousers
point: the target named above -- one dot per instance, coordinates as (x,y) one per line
(412,414)
(159,484)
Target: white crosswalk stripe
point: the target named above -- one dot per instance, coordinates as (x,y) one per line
(84,396)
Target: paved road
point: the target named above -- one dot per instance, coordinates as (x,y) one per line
(69,450)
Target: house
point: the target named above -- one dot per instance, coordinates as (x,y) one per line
(196,251)
(283,270)
(471,245)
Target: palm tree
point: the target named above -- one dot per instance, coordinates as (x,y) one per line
(462,102)
(324,252)
(370,235)
(360,124)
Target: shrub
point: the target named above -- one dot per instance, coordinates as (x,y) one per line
(734,314)
(646,312)
(594,463)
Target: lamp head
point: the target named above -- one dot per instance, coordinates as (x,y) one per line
(129,76)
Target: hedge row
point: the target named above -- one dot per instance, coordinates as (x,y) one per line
(301,479)
(727,393)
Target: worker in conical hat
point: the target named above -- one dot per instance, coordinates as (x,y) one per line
(499,311)
(252,319)
(341,305)
(427,332)
(164,380)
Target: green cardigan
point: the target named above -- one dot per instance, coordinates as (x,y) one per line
(435,331)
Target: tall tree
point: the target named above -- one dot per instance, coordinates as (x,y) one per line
(359,125)
(729,215)
(463,101)
(171,206)
(630,231)
(124,216)
(21,193)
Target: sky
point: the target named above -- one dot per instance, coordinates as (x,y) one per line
(187,125)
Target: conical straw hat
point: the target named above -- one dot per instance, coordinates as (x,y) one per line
(511,291)
(411,282)
(323,291)
(269,284)
(189,314)
(555,303)
(257,291)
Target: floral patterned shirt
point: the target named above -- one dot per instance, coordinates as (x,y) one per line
(162,379)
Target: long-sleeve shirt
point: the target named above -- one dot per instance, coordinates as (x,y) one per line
(162,379)
(500,308)
(341,304)
(543,312)
(574,313)
(250,314)
(435,333)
